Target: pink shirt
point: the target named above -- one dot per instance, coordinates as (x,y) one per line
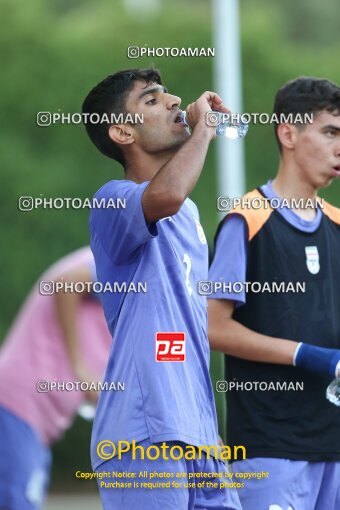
(34,350)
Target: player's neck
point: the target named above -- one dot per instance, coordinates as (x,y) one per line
(291,185)
(143,167)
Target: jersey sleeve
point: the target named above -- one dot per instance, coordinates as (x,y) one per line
(229,264)
(122,230)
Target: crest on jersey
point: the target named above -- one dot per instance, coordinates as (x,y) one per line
(312,259)
(200,232)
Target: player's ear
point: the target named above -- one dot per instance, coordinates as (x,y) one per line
(287,134)
(122,134)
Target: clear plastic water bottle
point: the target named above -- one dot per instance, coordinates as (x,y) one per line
(333,392)
(227,125)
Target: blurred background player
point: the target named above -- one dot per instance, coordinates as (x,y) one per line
(156,238)
(292,435)
(55,337)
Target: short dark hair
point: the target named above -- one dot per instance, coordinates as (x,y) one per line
(306,95)
(109,97)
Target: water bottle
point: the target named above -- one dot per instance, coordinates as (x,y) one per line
(227,125)
(333,392)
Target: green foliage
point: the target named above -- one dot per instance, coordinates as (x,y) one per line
(56,51)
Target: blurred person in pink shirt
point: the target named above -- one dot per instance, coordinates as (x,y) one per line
(56,337)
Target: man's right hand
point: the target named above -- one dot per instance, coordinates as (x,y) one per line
(198,110)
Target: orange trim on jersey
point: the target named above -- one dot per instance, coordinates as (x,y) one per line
(332,212)
(255,217)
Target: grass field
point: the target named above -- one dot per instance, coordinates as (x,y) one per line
(74,502)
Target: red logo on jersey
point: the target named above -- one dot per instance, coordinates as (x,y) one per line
(170,346)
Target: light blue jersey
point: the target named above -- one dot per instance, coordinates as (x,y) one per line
(163,400)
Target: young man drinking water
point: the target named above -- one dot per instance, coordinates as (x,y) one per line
(156,238)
